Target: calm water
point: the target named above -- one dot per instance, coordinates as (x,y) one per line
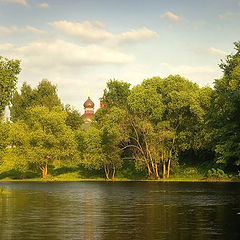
(120,210)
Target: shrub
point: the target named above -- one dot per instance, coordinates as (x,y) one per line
(216,173)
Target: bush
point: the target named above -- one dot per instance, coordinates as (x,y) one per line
(216,173)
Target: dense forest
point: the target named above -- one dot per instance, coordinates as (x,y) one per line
(162,128)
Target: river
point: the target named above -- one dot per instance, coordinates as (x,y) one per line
(119,210)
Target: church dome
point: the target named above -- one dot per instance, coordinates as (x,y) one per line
(89,103)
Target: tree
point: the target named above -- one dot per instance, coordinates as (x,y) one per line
(22,101)
(90,148)
(116,93)
(74,118)
(225,112)
(18,153)
(103,143)
(9,69)
(45,94)
(167,118)
(101,146)
(115,134)
(44,138)
(4,133)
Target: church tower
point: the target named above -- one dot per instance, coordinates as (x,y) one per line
(88,111)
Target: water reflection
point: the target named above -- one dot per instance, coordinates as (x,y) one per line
(133,210)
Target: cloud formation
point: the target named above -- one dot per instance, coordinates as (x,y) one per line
(61,55)
(226,16)
(198,73)
(96,32)
(217,51)
(22,2)
(43,5)
(187,69)
(17,30)
(170,17)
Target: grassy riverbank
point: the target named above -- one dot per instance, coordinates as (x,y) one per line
(184,173)
(61,179)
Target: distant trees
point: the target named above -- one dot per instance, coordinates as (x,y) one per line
(9,69)
(45,94)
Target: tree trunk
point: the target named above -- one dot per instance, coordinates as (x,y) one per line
(148,168)
(164,166)
(170,156)
(156,170)
(106,172)
(44,171)
(168,169)
(150,157)
(113,175)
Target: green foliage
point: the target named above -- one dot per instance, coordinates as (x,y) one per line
(167,117)
(4,132)
(223,119)
(100,145)
(45,94)
(42,139)
(73,119)
(117,93)
(216,173)
(9,69)
(129,171)
(93,156)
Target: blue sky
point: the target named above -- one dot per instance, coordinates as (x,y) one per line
(80,45)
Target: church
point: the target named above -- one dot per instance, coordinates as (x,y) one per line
(88,115)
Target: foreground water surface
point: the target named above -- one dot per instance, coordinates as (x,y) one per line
(119,210)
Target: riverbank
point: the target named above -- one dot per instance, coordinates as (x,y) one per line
(121,180)
(126,174)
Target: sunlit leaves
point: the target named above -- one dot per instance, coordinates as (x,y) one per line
(9,69)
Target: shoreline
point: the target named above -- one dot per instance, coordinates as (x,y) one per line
(121,180)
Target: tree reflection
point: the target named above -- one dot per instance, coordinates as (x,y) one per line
(119,211)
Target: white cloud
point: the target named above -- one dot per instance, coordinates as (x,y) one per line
(89,31)
(6,47)
(199,74)
(186,69)
(170,17)
(138,35)
(226,16)
(96,32)
(217,51)
(22,2)
(59,54)
(43,5)
(72,67)
(17,30)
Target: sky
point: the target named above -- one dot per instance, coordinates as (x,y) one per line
(81,44)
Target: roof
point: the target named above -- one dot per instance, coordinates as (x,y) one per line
(89,103)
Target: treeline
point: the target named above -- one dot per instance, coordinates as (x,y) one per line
(153,124)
